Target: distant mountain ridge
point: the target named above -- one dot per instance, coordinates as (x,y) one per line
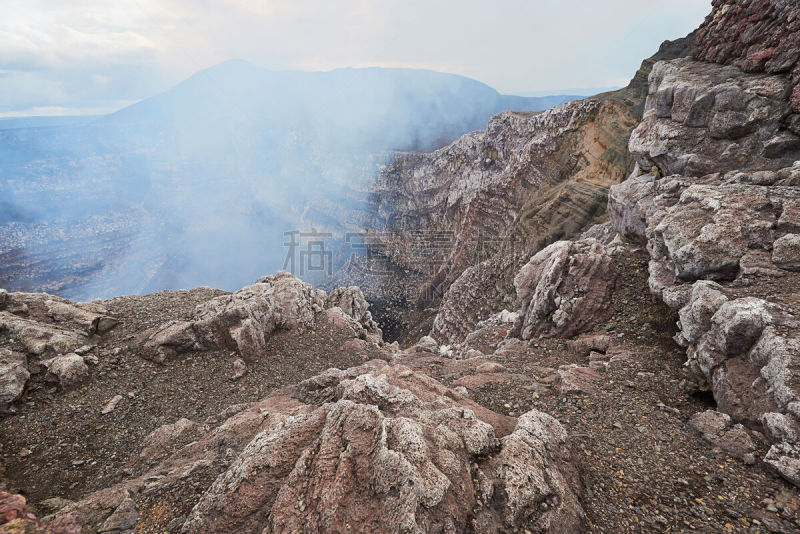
(372,108)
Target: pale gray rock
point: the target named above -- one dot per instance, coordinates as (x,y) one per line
(718,429)
(123,519)
(243,320)
(695,317)
(86,318)
(748,349)
(784,458)
(68,370)
(39,338)
(111,404)
(587,343)
(481,290)
(701,118)
(780,427)
(352,302)
(629,204)
(13,376)
(46,325)
(786,252)
(710,229)
(246,319)
(565,289)
(427,344)
(239,368)
(605,233)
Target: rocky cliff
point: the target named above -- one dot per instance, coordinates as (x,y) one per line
(718,213)
(495,197)
(760,36)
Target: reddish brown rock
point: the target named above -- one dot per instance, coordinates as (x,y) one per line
(758,35)
(586,343)
(577,379)
(377,448)
(565,289)
(17,518)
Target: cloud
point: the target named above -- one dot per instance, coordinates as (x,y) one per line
(85,52)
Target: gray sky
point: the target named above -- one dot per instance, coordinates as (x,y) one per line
(88,56)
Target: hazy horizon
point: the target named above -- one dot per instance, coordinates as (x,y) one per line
(91,57)
(79,112)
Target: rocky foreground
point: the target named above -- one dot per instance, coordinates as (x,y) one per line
(642,376)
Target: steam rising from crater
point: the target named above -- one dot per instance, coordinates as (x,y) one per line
(198,185)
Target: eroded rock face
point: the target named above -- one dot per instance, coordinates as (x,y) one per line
(244,320)
(757,35)
(565,289)
(477,294)
(710,230)
(377,448)
(721,224)
(637,205)
(702,118)
(491,200)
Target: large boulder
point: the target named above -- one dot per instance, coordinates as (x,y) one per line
(377,448)
(353,304)
(565,289)
(479,292)
(245,320)
(68,370)
(13,376)
(748,350)
(786,252)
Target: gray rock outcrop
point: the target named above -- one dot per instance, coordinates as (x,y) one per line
(244,320)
